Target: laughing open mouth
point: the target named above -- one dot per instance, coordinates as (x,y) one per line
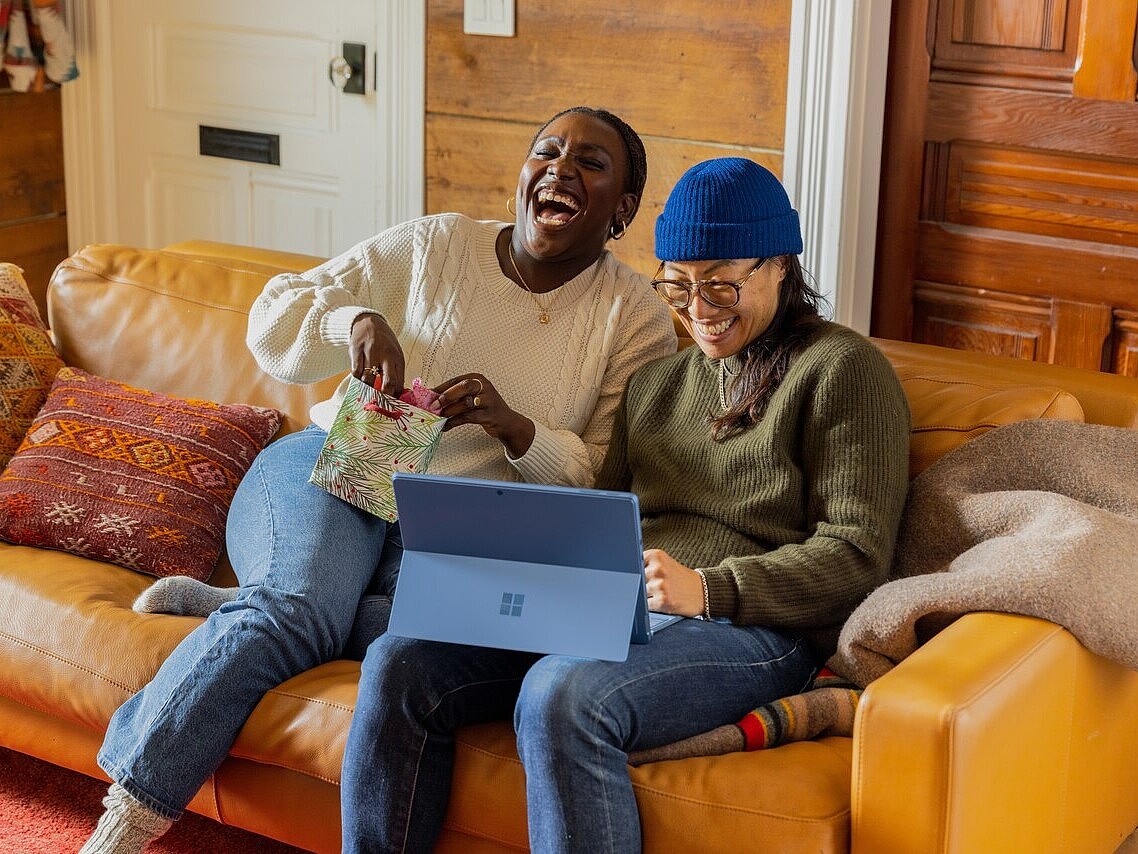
(554,208)
(710,330)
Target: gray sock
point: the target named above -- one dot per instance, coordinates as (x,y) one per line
(180,594)
(126,827)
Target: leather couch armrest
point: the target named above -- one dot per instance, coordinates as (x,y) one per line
(1002,733)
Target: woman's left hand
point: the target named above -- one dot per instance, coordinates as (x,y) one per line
(472,399)
(672,587)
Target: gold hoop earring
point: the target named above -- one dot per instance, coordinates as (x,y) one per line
(512,211)
(623,230)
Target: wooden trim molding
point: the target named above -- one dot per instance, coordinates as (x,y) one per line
(88,130)
(401,92)
(835,107)
(1106,41)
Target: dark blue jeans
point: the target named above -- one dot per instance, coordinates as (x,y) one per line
(576,720)
(400,753)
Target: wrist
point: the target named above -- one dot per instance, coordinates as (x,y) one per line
(519,437)
(706,614)
(368,313)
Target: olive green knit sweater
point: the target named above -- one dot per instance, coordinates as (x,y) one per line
(793,520)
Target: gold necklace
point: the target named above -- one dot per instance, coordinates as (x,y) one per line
(723,384)
(543,317)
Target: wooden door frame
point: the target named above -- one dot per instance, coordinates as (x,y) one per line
(898,219)
(88,119)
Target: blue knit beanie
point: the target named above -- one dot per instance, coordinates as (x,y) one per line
(729,207)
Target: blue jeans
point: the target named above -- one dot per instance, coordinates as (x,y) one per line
(399,757)
(576,720)
(304,559)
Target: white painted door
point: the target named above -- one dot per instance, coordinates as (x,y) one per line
(259,68)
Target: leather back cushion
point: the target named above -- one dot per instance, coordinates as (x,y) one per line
(173,323)
(948,411)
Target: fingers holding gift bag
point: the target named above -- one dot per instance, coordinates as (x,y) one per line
(372,437)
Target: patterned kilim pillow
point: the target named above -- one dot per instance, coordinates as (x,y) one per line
(129,476)
(28,361)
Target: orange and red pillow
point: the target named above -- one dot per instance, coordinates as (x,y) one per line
(28,360)
(130,476)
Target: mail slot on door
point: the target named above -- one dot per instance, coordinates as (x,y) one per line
(239,145)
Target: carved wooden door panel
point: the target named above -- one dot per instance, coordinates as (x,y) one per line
(1009,211)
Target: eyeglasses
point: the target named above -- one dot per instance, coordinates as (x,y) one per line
(679,293)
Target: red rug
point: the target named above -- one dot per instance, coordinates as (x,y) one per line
(45,809)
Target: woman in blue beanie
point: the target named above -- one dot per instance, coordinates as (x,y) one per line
(771,465)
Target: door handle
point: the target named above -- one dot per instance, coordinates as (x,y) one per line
(347,70)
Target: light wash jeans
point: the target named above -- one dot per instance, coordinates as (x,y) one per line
(576,720)
(304,559)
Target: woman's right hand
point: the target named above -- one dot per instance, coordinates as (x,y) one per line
(376,352)
(672,588)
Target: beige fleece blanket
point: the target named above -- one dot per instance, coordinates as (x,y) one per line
(1035,517)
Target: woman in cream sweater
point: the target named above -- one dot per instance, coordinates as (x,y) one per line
(529,330)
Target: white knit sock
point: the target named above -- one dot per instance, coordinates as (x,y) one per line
(126,827)
(180,594)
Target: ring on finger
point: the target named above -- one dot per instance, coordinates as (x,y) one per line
(477,400)
(475,379)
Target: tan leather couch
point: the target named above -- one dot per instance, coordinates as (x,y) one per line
(1002,734)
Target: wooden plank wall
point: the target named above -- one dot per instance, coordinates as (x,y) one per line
(33,208)
(695,78)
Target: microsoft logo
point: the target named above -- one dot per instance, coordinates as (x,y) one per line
(512,604)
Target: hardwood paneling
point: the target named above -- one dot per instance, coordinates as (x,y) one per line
(1037,192)
(36,246)
(1019,232)
(1083,332)
(1006,42)
(1107,33)
(1021,327)
(707,70)
(902,149)
(476,162)
(1027,264)
(1124,344)
(33,222)
(31,155)
(1093,128)
(967,319)
(691,91)
(1007,23)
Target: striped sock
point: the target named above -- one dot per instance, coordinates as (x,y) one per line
(826,708)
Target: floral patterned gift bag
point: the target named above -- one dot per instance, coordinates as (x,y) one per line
(372,437)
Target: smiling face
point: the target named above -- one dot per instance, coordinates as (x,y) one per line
(722,332)
(572,188)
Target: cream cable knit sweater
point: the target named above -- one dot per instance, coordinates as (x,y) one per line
(438,283)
